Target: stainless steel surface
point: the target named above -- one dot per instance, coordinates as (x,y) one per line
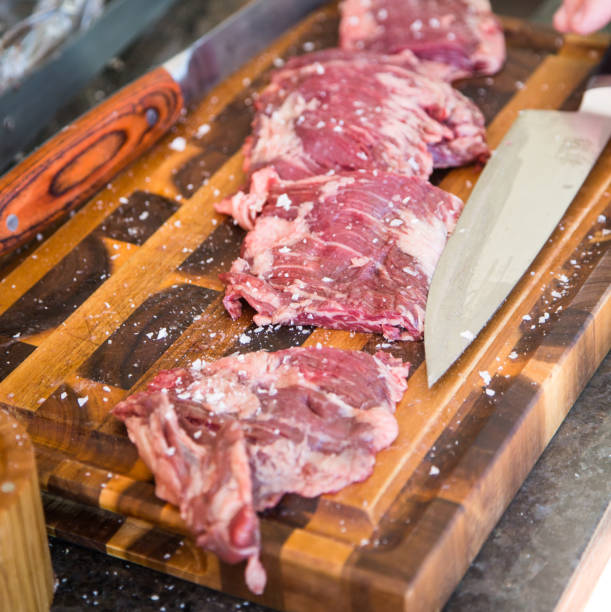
(517,202)
(26,109)
(225,48)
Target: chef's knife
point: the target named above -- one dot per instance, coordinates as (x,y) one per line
(517,202)
(83,157)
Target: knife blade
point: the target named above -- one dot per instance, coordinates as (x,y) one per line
(70,167)
(518,200)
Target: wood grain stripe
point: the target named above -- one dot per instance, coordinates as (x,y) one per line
(82,332)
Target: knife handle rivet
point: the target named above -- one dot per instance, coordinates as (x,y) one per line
(12,223)
(152,116)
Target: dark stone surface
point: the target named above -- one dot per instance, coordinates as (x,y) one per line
(528,558)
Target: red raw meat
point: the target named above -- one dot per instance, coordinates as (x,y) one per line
(232,437)
(337,111)
(405,59)
(351,251)
(461,33)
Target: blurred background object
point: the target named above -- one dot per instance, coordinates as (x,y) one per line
(50,50)
(30,39)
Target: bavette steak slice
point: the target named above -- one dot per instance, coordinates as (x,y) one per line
(404,59)
(336,110)
(352,251)
(461,33)
(230,438)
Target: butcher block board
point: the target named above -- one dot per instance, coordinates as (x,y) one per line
(129,286)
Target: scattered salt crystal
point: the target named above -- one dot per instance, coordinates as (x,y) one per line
(106,389)
(490,392)
(7,486)
(308,46)
(563,278)
(163,332)
(601,218)
(63,395)
(434,470)
(526,317)
(202,130)
(396,222)
(513,355)
(467,335)
(197,364)
(170,451)
(178,144)
(123,200)
(326,279)
(414,164)
(284,201)
(244,339)
(485,376)
(284,249)
(318,345)
(556,294)
(198,434)
(82,400)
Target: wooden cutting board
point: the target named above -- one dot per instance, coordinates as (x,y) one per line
(129,286)
(26,576)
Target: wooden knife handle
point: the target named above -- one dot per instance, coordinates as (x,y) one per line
(84,156)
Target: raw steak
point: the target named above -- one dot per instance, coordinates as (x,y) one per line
(463,33)
(361,111)
(352,251)
(228,439)
(404,59)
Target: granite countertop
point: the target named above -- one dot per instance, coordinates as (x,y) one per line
(530,555)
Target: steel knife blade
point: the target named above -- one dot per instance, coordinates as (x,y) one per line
(74,164)
(518,200)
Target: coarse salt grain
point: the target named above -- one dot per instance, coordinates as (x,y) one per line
(178,144)
(284,201)
(485,376)
(202,130)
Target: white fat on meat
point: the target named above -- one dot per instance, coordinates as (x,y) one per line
(423,238)
(277,133)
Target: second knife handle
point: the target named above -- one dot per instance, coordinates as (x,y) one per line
(84,156)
